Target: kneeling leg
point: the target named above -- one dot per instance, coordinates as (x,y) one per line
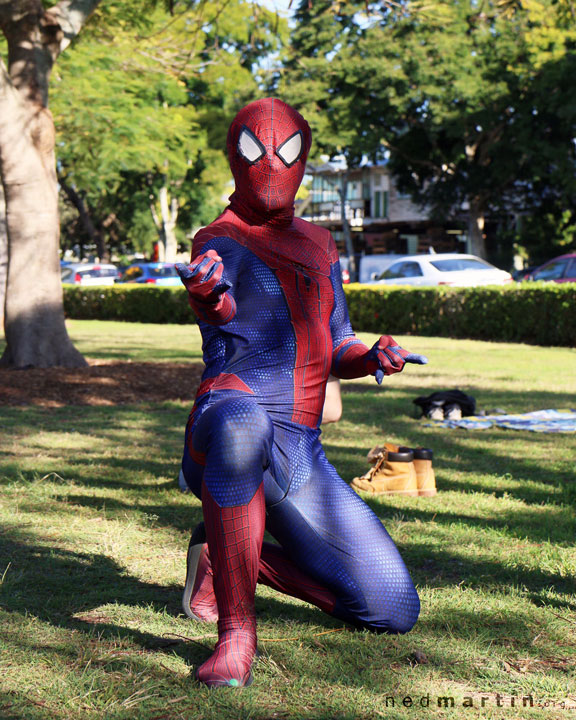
(336,539)
(234,436)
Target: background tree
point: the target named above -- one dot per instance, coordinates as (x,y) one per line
(3,255)
(142,158)
(330,85)
(455,94)
(35,37)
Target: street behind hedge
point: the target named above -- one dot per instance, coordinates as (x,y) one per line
(93,534)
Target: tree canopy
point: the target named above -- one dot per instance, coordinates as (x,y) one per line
(471,103)
(142,113)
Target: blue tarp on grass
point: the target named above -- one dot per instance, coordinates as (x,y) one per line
(547,421)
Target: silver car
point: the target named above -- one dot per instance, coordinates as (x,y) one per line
(452,269)
(89,274)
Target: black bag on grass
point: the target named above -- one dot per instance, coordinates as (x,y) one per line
(445,399)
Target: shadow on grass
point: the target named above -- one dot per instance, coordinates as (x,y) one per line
(435,568)
(54,585)
(63,583)
(532,480)
(473,452)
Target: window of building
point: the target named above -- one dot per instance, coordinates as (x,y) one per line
(377,204)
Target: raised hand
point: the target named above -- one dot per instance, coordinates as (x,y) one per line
(203,277)
(387,357)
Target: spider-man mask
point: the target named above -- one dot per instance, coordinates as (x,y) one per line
(268,143)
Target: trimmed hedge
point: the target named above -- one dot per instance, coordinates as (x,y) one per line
(534,313)
(131,303)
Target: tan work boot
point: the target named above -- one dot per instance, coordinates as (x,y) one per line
(426,480)
(376,453)
(392,474)
(424,472)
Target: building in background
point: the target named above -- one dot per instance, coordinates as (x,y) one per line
(380,218)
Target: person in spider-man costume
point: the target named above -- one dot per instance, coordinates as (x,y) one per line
(266,288)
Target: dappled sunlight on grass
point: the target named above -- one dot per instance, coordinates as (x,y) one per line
(93,536)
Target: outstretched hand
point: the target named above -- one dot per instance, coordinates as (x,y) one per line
(387,357)
(203,277)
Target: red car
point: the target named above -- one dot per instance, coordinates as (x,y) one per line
(560,269)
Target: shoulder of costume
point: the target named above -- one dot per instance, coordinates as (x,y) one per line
(320,236)
(222,227)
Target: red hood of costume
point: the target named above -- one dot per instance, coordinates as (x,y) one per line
(268,144)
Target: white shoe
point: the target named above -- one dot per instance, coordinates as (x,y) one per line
(453,412)
(436,413)
(182,484)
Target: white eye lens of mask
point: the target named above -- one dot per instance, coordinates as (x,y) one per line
(290,150)
(250,147)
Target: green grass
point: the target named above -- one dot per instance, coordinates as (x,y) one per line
(93,535)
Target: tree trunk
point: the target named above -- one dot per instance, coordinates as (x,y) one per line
(169,213)
(343,192)
(159,252)
(35,331)
(93,232)
(476,229)
(36,335)
(3,256)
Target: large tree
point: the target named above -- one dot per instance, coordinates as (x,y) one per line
(34,319)
(458,94)
(35,37)
(3,255)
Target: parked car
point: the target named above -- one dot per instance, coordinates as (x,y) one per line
(454,269)
(157,273)
(561,269)
(89,274)
(371,267)
(524,273)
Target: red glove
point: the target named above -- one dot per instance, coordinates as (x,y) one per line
(387,357)
(202,278)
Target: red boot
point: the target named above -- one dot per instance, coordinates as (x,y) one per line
(276,570)
(235,540)
(199,601)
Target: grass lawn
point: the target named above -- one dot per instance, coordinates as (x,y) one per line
(93,535)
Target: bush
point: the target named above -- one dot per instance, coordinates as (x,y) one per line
(535,313)
(131,303)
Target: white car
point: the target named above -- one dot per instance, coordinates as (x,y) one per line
(89,274)
(453,269)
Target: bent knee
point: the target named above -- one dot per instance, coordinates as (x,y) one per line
(246,430)
(236,433)
(396,615)
(239,419)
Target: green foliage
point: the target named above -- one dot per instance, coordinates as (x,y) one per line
(550,232)
(119,107)
(130,303)
(535,313)
(143,102)
(473,106)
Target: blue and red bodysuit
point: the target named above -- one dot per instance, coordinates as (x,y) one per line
(266,288)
